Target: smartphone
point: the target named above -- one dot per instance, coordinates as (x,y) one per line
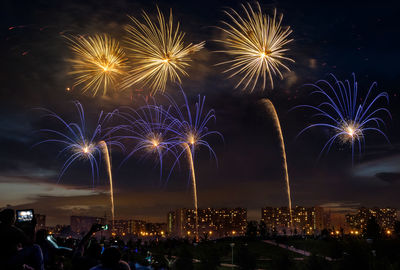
(100,227)
(25,215)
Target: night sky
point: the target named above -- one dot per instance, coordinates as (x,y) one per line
(359,37)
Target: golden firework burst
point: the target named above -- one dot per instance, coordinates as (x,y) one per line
(350,132)
(98,62)
(157,52)
(257,45)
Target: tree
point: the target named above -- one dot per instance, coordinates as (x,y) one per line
(262,228)
(325,234)
(373,230)
(274,233)
(397,228)
(205,237)
(251,230)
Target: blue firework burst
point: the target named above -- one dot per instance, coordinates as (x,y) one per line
(347,114)
(78,142)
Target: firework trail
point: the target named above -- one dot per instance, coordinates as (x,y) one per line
(346,114)
(79,144)
(98,62)
(190,132)
(157,52)
(257,45)
(193,176)
(270,107)
(107,160)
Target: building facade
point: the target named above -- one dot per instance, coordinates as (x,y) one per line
(386,218)
(306,220)
(211,222)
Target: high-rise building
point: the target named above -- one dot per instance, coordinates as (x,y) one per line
(82,224)
(213,222)
(306,220)
(276,217)
(156,228)
(171,220)
(138,226)
(123,227)
(386,218)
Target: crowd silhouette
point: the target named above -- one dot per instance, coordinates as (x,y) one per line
(24,247)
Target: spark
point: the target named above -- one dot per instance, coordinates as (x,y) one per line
(155,142)
(98,63)
(257,45)
(347,115)
(86,149)
(158,52)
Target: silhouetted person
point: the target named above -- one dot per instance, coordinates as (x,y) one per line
(50,249)
(88,252)
(111,260)
(16,251)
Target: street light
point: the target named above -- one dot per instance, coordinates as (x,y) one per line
(232,245)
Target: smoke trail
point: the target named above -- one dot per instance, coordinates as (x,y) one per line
(191,163)
(270,107)
(108,164)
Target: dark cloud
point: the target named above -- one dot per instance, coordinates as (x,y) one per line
(389,177)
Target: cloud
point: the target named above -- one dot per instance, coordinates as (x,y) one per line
(19,190)
(386,168)
(388,177)
(341,207)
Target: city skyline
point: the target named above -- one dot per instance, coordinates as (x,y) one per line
(217,223)
(249,171)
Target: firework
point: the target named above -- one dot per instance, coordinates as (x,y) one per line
(348,116)
(257,45)
(157,52)
(270,107)
(98,62)
(150,128)
(107,160)
(79,144)
(190,132)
